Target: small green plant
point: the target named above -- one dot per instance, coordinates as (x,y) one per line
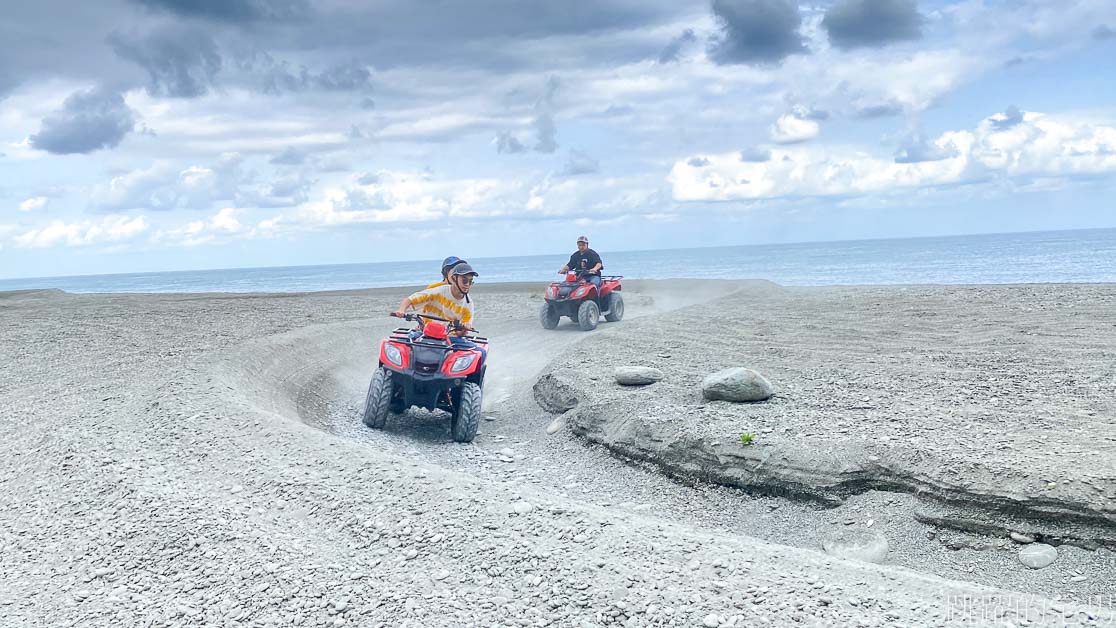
(746,438)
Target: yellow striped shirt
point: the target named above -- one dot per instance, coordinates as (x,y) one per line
(439,301)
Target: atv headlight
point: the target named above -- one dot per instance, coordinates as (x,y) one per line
(462,363)
(394,354)
(580,292)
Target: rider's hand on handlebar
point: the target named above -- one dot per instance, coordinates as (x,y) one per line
(399,314)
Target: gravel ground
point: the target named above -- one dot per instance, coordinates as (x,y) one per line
(164,464)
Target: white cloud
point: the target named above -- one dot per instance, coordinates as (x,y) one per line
(791,129)
(34,204)
(237,121)
(164,186)
(222,224)
(1037,146)
(85,233)
(403,197)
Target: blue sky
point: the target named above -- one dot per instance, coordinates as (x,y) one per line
(146,135)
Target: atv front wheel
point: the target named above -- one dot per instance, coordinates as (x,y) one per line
(588,315)
(379,396)
(548,316)
(615,307)
(466,417)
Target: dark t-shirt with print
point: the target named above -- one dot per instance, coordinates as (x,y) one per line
(584,261)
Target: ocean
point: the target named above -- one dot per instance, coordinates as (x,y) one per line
(1081,256)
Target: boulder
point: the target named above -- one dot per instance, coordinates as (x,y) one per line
(637,375)
(736,384)
(857,544)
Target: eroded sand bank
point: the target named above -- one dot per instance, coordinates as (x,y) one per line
(996,399)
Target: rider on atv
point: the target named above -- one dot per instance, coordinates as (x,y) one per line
(448,264)
(449,301)
(585,260)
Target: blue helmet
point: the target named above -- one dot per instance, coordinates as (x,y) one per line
(450,262)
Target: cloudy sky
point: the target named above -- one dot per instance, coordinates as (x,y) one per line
(146,135)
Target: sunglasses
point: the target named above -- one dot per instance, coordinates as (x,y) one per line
(467,279)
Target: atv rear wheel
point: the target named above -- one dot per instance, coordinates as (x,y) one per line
(379,396)
(548,315)
(615,307)
(588,315)
(466,417)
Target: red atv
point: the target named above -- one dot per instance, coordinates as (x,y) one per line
(577,298)
(423,368)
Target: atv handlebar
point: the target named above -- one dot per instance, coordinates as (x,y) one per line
(455,325)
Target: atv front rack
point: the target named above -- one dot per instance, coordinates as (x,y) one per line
(403,334)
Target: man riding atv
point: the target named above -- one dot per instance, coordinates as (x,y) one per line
(585,294)
(586,261)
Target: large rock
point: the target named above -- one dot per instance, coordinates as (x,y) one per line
(856,544)
(554,394)
(637,375)
(736,384)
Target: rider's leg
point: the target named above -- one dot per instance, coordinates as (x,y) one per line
(460,342)
(596,281)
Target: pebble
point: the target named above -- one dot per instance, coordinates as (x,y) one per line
(1037,555)
(857,544)
(637,375)
(1022,538)
(556,425)
(711,621)
(522,508)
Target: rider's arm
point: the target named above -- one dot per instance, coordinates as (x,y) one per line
(570,264)
(417,299)
(404,305)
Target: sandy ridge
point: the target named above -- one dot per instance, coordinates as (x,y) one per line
(1013,470)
